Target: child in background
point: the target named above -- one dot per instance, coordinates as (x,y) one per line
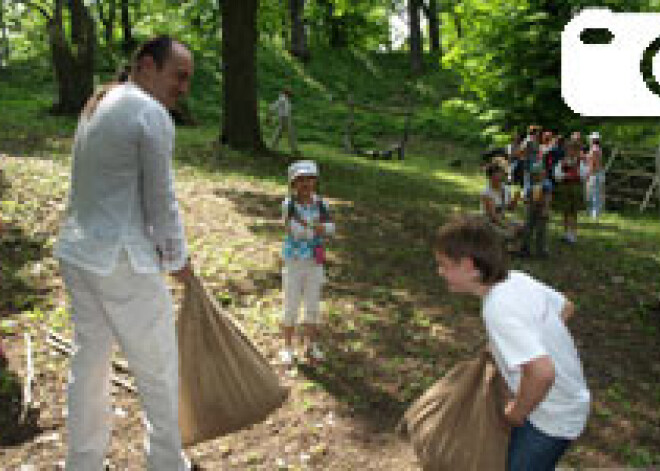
(496,199)
(532,347)
(596,178)
(568,193)
(537,201)
(307,221)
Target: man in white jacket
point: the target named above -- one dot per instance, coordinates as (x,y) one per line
(121,230)
(283,108)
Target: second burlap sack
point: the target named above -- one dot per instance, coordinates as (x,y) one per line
(225,383)
(457,424)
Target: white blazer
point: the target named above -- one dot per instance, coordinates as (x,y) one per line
(122,188)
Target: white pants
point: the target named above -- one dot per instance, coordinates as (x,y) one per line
(136,310)
(302,281)
(285,123)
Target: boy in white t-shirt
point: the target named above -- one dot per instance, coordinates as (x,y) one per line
(534,351)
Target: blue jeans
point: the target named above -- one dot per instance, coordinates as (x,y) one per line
(532,450)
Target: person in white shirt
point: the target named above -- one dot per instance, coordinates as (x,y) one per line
(122,228)
(596,176)
(282,108)
(526,325)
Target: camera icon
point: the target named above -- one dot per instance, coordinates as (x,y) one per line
(616,74)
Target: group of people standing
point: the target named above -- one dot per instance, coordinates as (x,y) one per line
(551,172)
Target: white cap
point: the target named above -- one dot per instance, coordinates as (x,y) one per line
(594,135)
(303,168)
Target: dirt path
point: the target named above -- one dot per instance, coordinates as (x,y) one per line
(392,330)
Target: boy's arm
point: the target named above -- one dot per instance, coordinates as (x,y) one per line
(537,378)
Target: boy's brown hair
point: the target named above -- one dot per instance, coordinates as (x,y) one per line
(474,238)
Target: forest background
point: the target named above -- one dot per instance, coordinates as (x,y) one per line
(457,77)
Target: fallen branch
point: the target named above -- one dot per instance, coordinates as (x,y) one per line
(29,377)
(65,347)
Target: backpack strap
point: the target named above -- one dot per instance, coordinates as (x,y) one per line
(324,214)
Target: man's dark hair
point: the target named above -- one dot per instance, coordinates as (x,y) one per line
(159,48)
(473,237)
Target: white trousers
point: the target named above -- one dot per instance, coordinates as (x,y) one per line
(136,310)
(302,280)
(285,123)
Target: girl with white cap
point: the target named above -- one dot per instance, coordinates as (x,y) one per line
(307,221)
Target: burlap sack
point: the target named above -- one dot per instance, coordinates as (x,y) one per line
(225,382)
(457,424)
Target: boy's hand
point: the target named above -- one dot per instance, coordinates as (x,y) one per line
(319,230)
(512,416)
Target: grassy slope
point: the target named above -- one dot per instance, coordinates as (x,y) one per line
(392,327)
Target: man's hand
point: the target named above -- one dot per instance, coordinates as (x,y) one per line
(184,274)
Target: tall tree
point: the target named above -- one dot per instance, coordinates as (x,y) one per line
(72,54)
(431,13)
(333,26)
(73,61)
(240,121)
(4,39)
(128,42)
(415,41)
(298,34)
(107,11)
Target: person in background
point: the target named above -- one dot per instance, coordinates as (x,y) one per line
(283,109)
(307,222)
(530,151)
(538,196)
(496,200)
(122,228)
(596,176)
(568,191)
(533,349)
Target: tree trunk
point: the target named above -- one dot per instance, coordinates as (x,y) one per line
(73,63)
(108,20)
(298,36)
(334,29)
(240,121)
(434,30)
(415,42)
(4,40)
(128,42)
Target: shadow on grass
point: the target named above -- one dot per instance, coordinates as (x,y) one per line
(17,424)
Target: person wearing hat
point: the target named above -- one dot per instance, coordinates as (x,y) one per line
(537,201)
(596,176)
(307,222)
(283,108)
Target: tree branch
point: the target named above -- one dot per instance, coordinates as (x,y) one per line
(37,7)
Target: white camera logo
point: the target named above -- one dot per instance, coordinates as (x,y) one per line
(617,78)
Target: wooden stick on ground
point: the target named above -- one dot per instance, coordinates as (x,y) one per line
(65,347)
